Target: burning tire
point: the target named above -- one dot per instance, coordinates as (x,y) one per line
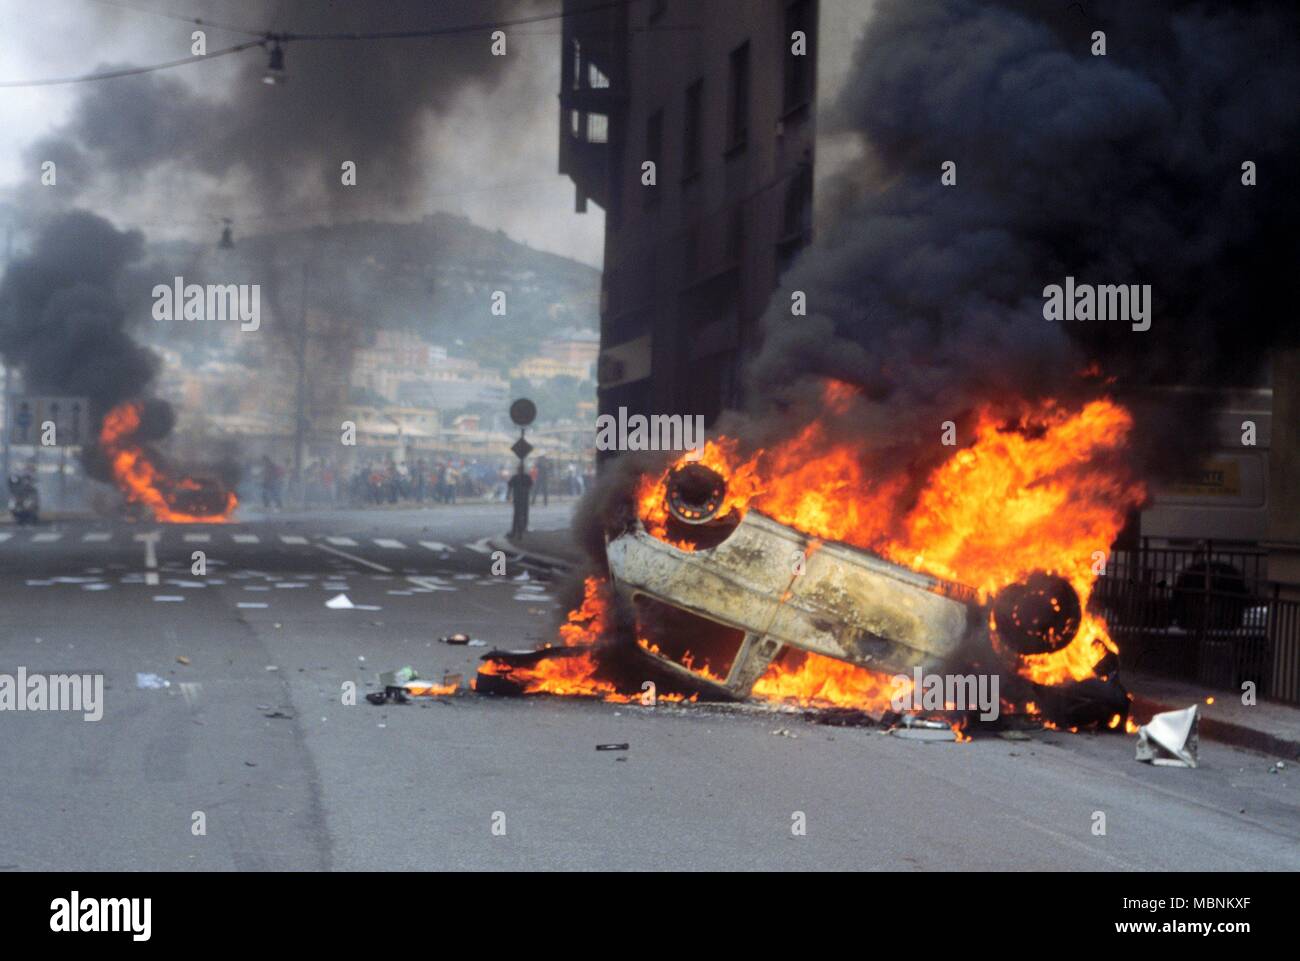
(695,493)
(1037,616)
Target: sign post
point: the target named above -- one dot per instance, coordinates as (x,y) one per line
(523,412)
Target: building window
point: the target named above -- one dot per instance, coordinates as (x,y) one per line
(799,16)
(654,152)
(693,130)
(738,104)
(796,226)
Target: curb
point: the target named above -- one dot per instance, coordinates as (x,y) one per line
(1224,732)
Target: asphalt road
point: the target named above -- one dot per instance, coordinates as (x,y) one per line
(252,732)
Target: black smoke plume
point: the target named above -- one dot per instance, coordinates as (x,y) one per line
(62,323)
(1117,169)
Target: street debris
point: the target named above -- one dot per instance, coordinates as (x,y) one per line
(405,682)
(463,639)
(1170,739)
(182,659)
(922,729)
(151,682)
(340,602)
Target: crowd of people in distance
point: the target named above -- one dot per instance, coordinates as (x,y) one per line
(381,482)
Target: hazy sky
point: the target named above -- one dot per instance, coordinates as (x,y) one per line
(490,154)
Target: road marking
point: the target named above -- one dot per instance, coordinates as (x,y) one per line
(150,556)
(197,538)
(5,536)
(354,558)
(480,546)
(342,541)
(245,538)
(293,539)
(248,605)
(168,597)
(46,538)
(97,537)
(437,546)
(389,543)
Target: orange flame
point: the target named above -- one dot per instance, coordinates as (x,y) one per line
(1044,492)
(813,680)
(141,480)
(569,676)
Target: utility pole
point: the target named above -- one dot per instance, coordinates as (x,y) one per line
(300,412)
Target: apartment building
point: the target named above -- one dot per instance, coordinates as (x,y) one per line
(693,124)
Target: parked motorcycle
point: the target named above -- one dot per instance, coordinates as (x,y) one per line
(24,499)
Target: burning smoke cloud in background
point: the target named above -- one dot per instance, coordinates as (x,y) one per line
(62,323)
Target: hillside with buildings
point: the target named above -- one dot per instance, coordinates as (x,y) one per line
(398,334)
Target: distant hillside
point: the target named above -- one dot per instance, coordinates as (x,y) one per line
(435,276)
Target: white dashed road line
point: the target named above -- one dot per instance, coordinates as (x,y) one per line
(389,543)
(342,541)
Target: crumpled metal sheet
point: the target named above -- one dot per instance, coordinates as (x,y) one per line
(1170,739)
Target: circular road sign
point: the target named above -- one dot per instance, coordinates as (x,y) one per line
(523,412)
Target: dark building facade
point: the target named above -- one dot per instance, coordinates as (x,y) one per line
(720,96)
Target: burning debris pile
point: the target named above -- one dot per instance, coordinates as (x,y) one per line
(62,324)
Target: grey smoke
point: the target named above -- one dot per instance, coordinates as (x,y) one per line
(364,101)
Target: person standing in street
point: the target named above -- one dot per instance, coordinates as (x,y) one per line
(517,491)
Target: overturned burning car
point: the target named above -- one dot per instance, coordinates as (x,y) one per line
(740,591)
(805,573)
